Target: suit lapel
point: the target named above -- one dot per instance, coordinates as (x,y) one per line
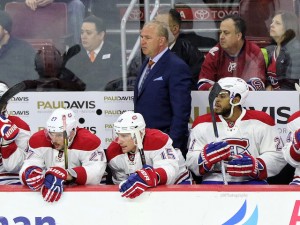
(154,72)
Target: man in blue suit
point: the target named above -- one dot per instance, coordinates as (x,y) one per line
(162,92)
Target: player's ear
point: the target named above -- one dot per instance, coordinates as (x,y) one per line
(236,99)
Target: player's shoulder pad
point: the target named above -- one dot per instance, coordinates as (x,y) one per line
(85,140)
(113,150)
(19,122)
(39,139)
(293,116)
(260,116)
(154,139)
(206,118)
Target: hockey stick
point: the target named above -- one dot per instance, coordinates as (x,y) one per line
(65,136)
(211,98)
(140,148)
(11,92)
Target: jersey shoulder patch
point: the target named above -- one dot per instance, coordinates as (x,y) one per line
(19,122)
(85,140)
(154,139)
(113,150)
(206,118)
(260,116)
(39,140)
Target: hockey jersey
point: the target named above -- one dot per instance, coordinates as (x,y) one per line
(159,153)
(11,161)
(247,65)
(292,157)
(86,158)
(253,133)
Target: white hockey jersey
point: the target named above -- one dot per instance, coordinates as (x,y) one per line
(159,153)
(293,124)
(253,133)
(11,161)
(86,158)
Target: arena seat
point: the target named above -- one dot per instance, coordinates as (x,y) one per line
(46,24)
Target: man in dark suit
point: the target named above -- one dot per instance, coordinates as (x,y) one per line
(98,61)
(163,96)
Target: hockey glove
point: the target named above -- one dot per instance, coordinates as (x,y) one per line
(211,154)
(138,182)
(54,183)
(34,177)
(247,165)
(295,147)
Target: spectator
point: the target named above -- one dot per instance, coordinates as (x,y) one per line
(14,136)
(284,56)
(49,64)
(84,163)
(164,164)
(180,46)
(233,56)
(99,61)
(16,56)
(162,93)
(76,13)
(249,143)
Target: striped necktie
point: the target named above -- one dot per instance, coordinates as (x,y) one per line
(150,63)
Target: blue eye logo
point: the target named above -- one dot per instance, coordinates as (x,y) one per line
(240,214)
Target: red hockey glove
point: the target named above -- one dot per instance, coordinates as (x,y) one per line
(138,182)
(211,154)
(34,177)
(8,133)
(247,165)
(53,184)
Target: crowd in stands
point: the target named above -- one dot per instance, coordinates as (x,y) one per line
(153,145)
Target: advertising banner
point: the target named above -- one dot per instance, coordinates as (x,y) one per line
(97,111)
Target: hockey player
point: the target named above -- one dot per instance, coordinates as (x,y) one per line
(164,164)
(14,136)
(291,150)
(86,158)
(248,146)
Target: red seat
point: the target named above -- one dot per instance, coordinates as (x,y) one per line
(40,26)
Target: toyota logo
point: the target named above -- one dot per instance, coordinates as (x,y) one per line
(136,14)
(201,14)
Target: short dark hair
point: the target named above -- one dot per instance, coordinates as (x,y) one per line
(239,23)
(176,17)
(100,26)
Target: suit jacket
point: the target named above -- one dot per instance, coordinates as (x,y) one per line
(105,68)
(165,98)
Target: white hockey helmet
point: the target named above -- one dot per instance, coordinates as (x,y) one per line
(235,86)
(3,88)
(132,123)
(55,121)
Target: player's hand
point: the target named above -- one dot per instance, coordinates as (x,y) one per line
(138,182)
(8,130)
(34,177)
(295,146)
(54,183)
(246,165)
(211,154)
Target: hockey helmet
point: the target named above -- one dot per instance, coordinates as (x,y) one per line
(48,61)
(3,88)
(235,86)
(132,123)
(55,121)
